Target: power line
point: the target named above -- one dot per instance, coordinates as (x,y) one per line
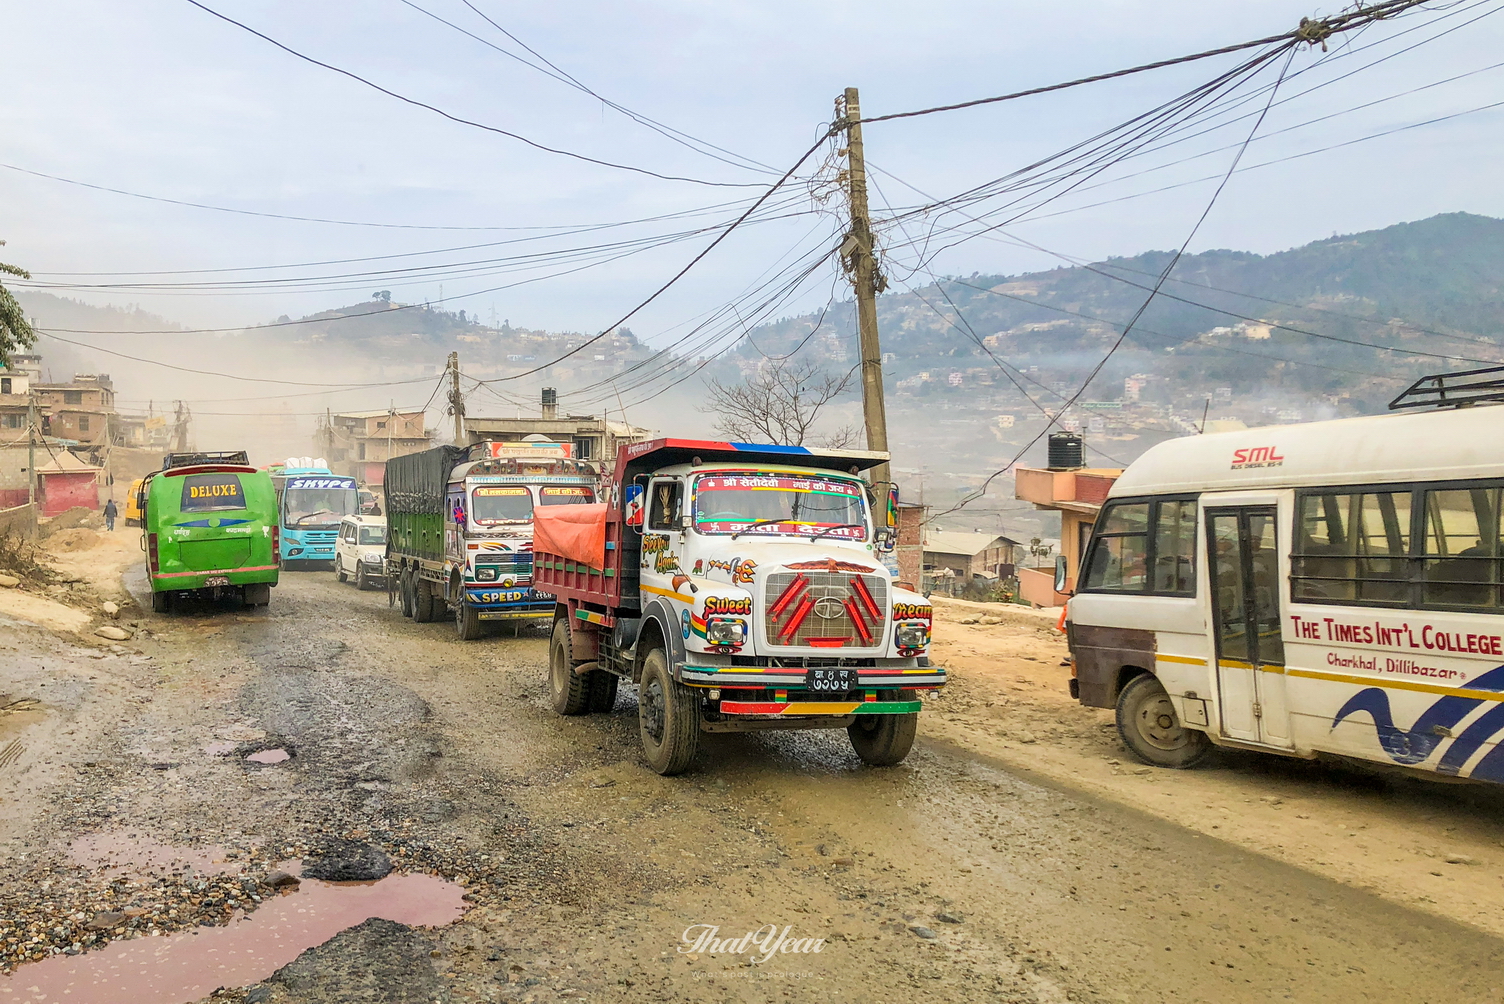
(1313,32)
(464,121)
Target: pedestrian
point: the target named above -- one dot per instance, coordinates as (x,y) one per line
(110,512)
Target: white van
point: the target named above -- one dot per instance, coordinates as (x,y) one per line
(360,550)
(1332,587)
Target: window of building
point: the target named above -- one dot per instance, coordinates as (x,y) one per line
(13,421)
(362,451)
(83,423)
(1144,547)
(380,426)
(73,397)
(5,385)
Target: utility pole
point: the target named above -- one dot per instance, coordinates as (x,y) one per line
(182,430)
(456,401)
(860,262)
(31,450)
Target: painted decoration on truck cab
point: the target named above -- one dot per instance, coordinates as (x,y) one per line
(633,505)
(738,569)
(492,506)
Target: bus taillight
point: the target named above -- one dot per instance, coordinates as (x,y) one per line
(151,552)
(276,543)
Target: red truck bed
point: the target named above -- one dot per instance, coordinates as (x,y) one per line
(577,553)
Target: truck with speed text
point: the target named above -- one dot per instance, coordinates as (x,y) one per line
(460,529)
(740,587)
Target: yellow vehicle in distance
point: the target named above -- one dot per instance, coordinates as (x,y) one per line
(133,516)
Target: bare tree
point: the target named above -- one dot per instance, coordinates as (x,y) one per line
(15,331)
(780,404)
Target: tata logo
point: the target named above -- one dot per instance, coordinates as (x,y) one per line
(1257,456)
(829,608)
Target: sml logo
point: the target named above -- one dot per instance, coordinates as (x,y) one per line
(1257,456)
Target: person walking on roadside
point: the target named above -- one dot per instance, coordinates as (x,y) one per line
(110,512)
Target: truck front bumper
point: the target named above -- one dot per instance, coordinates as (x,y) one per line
(793,677)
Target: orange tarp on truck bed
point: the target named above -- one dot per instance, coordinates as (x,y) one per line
(576,532)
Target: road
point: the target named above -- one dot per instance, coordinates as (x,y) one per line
(950,878)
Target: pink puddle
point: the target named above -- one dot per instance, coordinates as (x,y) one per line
(220,749)
(269,756)
(189,965)
(121,850)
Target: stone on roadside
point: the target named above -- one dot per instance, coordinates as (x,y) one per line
(105,919)
(347,861)
(110,608)
(946,917)
(968,620)
(282,880)
(8,581)
(923,932)
(1460,859)
(113,633)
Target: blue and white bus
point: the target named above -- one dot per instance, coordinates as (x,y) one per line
(312,501)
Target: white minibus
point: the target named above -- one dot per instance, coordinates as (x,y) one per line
(1333,587)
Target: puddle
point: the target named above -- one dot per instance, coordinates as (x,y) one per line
(190,965)
(269,756)
(120,850)
(220,749)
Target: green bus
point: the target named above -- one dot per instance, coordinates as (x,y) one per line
(211,528)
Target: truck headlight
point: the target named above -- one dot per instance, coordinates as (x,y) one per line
(720,631)
(912,634)
(485,573)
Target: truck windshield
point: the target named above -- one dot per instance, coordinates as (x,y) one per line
(312,508)
(507,504)
(373,535)
(782,504)
(565,495)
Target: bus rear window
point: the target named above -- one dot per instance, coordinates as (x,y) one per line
(1145,547)
(207,492)
(565,495)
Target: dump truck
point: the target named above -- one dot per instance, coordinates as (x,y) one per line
(739,587)
(460,529)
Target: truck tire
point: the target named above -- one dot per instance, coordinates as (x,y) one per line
(603,686)
(161,602)
(339,570)
(256,594)
(467,622)
(668,717)
(1152,730)
(422,600)
(884,740)
(569,691)
(405,591)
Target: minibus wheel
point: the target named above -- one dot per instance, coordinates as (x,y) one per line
(1152,730)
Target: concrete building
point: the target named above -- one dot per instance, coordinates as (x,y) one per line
(953,558)
(594,439)
(359,443)
(1077,494)
(82,410)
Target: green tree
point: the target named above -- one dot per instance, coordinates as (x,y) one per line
(15,330)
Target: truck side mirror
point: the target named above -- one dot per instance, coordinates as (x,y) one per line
(893,509)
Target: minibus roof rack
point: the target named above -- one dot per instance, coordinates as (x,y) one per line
(192,459)
(1453,390)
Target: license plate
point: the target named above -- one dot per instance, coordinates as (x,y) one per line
(217,580)
(831,681)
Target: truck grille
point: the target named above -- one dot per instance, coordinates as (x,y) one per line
(823,609)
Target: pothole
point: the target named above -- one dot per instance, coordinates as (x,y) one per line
(189,965)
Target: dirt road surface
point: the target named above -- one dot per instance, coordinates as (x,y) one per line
(1009,859)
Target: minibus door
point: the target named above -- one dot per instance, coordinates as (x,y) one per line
(1243,561)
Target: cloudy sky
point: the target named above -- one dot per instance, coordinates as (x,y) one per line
(161,98)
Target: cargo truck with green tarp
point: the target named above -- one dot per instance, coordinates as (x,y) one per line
(460,529)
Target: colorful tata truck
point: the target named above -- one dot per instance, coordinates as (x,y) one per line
(740,587)
(210,528)
(312,501)
(460,529)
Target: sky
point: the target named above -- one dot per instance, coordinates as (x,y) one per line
(161,98)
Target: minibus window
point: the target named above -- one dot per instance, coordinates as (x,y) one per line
(1120,556)
(1353,546)
(1462,548)
(1175,547)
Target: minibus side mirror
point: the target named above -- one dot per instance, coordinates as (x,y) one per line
(1061,576)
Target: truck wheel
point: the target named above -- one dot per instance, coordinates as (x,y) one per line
(668,716)
(161,603)
(405,590)
(603,687)
(569,691)
(467,622)
(256,594)
(339,570)
(422,600)
(1151,729)
(884,740)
